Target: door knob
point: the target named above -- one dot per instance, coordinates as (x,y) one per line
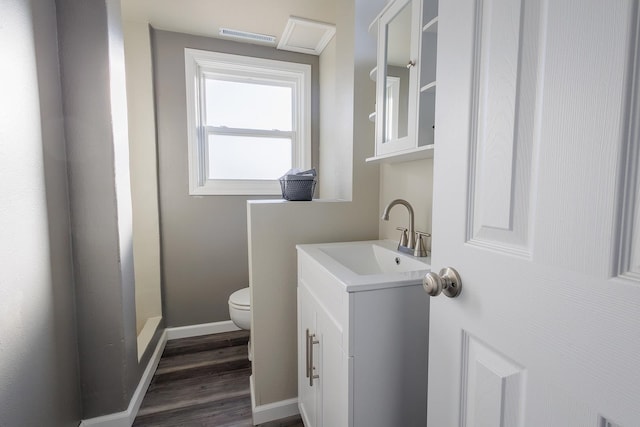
(447,282)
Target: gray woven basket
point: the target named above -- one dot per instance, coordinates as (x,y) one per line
(297,188)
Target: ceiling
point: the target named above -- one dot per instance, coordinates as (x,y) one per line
(205,17)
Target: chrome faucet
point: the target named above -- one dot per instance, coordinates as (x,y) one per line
(411,241)
(408,244)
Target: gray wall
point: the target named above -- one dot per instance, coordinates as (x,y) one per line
(38,354)
(94,101)
(203,239)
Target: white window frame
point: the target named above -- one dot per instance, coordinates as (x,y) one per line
(393,95)
(199,64)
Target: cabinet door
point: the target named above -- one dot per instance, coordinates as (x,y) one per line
(397,79)
(331,366)
(427,66)
(307,395)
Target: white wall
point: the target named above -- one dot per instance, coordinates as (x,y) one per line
(335,158)
(412,181)
(144,183)
(275,227)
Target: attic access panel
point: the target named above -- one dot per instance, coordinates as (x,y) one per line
(306,36)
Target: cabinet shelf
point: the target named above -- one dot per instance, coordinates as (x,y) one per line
(430,87)
(431,26)
(423,152)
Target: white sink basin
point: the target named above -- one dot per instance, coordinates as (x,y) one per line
(369,264)
(371,258)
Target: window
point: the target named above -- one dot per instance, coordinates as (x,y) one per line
(248,122)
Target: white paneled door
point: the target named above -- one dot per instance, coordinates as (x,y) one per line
(536,205)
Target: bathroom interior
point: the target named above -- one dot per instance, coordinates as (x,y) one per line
(106,84)
(111,253)
(192,252)
(209,247)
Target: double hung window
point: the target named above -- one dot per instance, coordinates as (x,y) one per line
(248,122)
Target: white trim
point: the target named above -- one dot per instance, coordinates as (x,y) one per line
(272,411)
(201,329)
(126,418)
(392,120)
(376,20)
(146,334)
(199,63)
(236,187)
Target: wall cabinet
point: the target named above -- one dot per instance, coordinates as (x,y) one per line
(405,77)
(362,356)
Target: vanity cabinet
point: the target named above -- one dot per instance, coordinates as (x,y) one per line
(322,399)
(405,76)
(362,355)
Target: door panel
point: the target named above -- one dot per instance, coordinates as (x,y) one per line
(546,331)
(629,257)
(492,386)
(582,130)
(505,71)
(496,55)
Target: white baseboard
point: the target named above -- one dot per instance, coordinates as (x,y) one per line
(126,418)
(272,411)
(201,329)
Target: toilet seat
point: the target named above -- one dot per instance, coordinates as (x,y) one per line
(241,299)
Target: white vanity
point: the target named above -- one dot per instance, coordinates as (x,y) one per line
(362,335)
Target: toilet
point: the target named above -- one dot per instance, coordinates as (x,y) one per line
(240,312)
(240,308)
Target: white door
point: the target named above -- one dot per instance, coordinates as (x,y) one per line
(536,207)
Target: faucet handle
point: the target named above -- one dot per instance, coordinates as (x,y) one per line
(421,249)
(404,237)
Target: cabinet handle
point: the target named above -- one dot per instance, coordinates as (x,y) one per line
(411,63)
(310,342)
(308,368)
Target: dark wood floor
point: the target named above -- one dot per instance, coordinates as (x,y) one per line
(204,382)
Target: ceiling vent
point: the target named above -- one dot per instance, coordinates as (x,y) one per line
(306,36)
(247,36)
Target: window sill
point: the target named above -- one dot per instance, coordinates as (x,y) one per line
(235,188)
